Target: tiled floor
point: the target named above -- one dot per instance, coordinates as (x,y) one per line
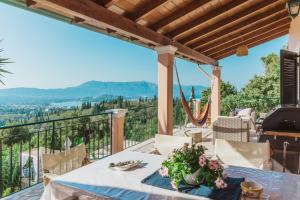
(32,193)
(35,192)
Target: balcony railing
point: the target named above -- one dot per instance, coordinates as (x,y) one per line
(21,146)
(140,125)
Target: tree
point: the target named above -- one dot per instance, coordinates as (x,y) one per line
(3,61)
(227,89)
(262,91)
(120,102)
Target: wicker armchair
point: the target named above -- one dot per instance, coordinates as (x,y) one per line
(231,129)
(63,162)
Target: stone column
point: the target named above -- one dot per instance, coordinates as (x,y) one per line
(215,93)
(165,89)
(118,119)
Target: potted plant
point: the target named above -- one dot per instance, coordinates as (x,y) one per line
(189,165)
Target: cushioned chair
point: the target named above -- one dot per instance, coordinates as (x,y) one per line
(244,154)
(231,128)
(165,144)
(63,162)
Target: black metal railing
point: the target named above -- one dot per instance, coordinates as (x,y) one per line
(21,146)
(140,125)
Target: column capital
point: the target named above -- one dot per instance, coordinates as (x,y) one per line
(216,67)
(117,113)
(166,49)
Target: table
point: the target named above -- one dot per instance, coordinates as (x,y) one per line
(84,182)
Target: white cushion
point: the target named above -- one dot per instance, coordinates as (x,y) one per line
(165,144)
(245,113)
(244,154)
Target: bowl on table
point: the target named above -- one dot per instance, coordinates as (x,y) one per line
(125,165)
(252,189)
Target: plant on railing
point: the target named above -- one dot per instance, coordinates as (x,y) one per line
(189,165)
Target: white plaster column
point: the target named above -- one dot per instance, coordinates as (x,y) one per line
(165,89)
(215,93)
(294,43)
(118,119)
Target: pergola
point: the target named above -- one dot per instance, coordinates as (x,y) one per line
(201,31)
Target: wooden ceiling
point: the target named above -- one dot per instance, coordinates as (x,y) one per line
(204,31)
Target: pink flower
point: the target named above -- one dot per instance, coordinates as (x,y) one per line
(213,165)
(220,183)
(164,171)
(202,160)
(174,185)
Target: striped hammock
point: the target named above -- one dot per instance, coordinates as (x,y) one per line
(202,116)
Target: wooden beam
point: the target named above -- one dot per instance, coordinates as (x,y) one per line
(278,10)
(245,13)
(107,3)
(254,44)
(90,11)
(190,7)
(248,29)
(250,43)
(145,9)
(266,29)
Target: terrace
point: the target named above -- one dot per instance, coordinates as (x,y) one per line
(202,32)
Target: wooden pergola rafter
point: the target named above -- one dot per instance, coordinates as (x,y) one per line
(272,28)
(237,33)
(250,12)
(202,19)
(253,43)
(199,29)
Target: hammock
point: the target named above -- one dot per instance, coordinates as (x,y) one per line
(201,117)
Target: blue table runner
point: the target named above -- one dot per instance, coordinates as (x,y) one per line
(232,192)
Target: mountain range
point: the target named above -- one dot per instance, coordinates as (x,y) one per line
(88,90)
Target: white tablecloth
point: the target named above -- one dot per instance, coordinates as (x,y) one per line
(127,184)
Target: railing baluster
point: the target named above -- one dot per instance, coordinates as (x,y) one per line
(29,159)
(111,118)
(103,138)
(98,143)
(11,166)
(20,165)
(66,136)
(89,137)
(53,137)
(38,156)
(94,141)
(46,135)
(60,143)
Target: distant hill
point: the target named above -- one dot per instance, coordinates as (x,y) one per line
(90,89)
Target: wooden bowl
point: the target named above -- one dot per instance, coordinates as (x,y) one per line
(251,189)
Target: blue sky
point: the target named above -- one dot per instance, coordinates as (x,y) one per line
(47,53)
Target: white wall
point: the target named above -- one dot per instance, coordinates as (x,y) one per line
(294,35)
